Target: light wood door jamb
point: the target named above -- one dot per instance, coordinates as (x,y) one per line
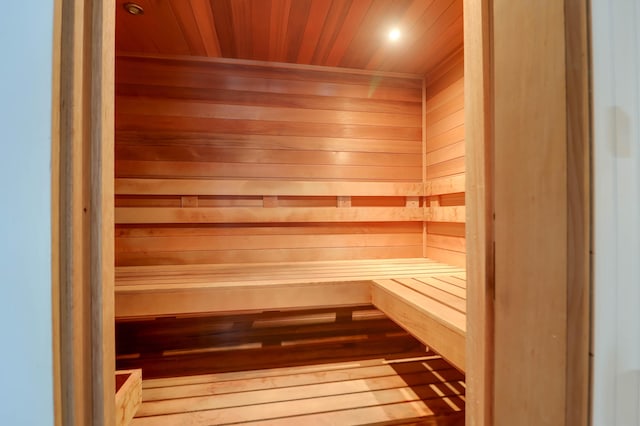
(82,212)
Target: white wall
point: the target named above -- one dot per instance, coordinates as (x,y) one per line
(26,389)
(616,84)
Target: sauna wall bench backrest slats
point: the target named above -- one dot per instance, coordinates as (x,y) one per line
(426,297)
(343,191)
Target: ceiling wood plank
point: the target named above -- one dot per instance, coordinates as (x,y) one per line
(261,27)
(409,23)
(298,17)
(206,27)
(188,26)
(223,17)
(279,19)
(351,26)
(242,33)
(165,28)
(332,33)
(329,33)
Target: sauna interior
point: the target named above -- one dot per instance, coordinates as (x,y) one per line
(290,210)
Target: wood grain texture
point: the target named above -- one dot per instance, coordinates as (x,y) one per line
(283,368)
(264,187)
(531,201)
(83,173)
(445,153)
(128,395)
(579,216)
(479,222)
(434,316)
(234,132)
(342,33)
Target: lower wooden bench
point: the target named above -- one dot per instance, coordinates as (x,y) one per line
(432,309)
(423,296)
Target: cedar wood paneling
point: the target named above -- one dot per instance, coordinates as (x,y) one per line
(445,155)
(209,120)
(344,33)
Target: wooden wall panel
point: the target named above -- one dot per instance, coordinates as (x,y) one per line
(216,120)
(445,156)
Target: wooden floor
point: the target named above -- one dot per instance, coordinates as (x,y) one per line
(338,367)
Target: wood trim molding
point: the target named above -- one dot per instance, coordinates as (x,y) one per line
(278,65)
(82,238)
(541,145)
(494,394)
(579,219)
(479,217)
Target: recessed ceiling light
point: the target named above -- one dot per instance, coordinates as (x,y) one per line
(394,34)
(133,8)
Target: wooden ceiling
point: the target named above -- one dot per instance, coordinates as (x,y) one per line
(343,33)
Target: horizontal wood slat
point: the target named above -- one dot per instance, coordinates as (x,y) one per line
(192,108)
(264,187)
(180,301)
(157,215)
(282,272)
(446,185)
(249,255)
(456,214)
(141,215)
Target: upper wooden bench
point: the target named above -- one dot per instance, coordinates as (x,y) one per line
(425,297)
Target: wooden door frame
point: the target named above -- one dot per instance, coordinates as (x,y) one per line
(82,210)
(488,117)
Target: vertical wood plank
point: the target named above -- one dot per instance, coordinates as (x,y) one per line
(83,235)
(102,101)
(579,212)
(479,220)
(75,361)
(531,262)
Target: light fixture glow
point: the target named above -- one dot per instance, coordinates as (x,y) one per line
(394,34)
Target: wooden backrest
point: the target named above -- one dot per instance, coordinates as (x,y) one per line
(394,201)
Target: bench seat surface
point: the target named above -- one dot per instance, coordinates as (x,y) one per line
(431,308)
(425,297)
(181,289)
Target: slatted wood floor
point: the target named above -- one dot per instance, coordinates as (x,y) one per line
(339,367)
(423,389)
